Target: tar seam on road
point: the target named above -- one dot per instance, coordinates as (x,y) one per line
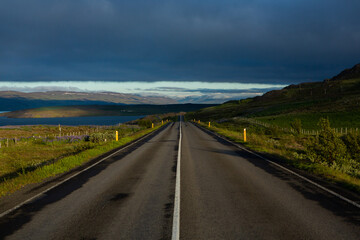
(72,176)
(176,217)
(292,172)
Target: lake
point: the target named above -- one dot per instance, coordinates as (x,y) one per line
(70,121)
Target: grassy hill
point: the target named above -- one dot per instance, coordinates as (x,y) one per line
(102,110)
(337,98)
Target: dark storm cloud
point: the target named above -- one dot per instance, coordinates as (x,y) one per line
(224,40)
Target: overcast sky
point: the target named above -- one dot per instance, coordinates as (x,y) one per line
(239,41)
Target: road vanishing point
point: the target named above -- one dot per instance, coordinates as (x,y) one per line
(181,182)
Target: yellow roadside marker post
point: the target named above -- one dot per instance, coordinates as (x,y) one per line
(199,121)
(209,125)
(244,134)
(117,136)
(152,125)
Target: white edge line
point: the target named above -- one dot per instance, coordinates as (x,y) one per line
(72,176)
(290,171)
(176,217)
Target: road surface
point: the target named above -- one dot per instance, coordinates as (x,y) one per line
(230,194)
(225,193)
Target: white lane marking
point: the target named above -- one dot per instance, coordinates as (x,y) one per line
(176,217)
(72,176)
(292,172)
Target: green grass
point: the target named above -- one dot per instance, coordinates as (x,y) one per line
(64,164)
(29,150)
(310,120)
(31,153)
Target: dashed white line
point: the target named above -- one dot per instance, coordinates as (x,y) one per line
(176,217)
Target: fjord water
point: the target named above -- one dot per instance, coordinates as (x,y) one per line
(70,121)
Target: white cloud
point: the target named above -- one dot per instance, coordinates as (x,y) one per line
(177,90)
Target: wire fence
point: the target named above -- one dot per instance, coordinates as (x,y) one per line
(108,133)
(339,131)
(70,137)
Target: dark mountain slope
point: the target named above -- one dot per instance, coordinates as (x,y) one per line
(11,100)
(327,96)
(351,73)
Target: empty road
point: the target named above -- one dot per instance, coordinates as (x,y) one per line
(225,193)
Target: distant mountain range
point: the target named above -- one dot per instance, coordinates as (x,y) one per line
(103,110)
(11,100)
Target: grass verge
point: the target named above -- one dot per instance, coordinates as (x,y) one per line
(350,120)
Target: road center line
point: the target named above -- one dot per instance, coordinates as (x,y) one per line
(176,217)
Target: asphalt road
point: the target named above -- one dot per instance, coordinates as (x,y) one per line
(225,193)
(124,197)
